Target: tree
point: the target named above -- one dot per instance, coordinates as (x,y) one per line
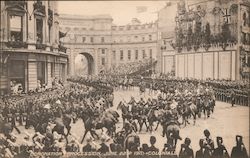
(197,35)
(207,36)
(189,38)
(225,35)
(179,39)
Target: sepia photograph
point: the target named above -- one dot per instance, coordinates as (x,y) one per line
(124,79)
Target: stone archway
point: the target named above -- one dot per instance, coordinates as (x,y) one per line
(84,64)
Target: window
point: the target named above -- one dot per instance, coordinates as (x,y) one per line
(143,38)
(91,39)
(150,53)
(103,51)
(243,38)
(129,54)
(164,42)
(129,40)
(49,33)
(121,54)
(102,39)
(143,54)
(103,61)
(150,37)
(41,72)
(16,31)
(244,19)
(83,39)
(52,69)
(39,30)
(136,54)
(136,37)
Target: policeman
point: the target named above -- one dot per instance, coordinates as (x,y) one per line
(220,151)
(152,142)
(209,143)
(186,151)
(239,151)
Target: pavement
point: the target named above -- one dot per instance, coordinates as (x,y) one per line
(226,121)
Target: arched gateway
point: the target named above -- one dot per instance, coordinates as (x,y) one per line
(84,64)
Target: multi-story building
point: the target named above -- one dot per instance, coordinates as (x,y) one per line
(30,52)
(212,39)
(106,45)
(166,31)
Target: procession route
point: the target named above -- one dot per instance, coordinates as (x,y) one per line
(226,122)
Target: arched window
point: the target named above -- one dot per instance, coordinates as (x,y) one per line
(244,17)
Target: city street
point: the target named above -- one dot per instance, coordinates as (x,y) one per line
(226,122)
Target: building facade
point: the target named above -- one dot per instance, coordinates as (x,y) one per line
(106,45)
(31,54)
(166,34)
(212,40)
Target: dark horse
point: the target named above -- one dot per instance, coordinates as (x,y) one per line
(189,110)
(173,134)
(87,115)
(35,121)
(125,111)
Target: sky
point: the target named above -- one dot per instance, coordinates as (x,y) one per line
(121,11)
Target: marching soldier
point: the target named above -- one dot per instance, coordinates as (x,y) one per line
(232,96)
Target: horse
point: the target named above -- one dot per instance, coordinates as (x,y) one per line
(35,121)
(172,132)
(155,116)
(142,118)
(207,108)
(187,111)
(89,126)
(125,111)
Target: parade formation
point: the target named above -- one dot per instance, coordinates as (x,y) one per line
(174,105)
(156,79)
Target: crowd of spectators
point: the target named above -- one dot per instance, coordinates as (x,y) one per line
(207,149)
(132,67)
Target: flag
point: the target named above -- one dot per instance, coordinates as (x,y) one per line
(141,9)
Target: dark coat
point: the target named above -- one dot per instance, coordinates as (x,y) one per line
(104,148)
(88,148)
(220,152)
(239,152)
(153,148)
(203,154)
